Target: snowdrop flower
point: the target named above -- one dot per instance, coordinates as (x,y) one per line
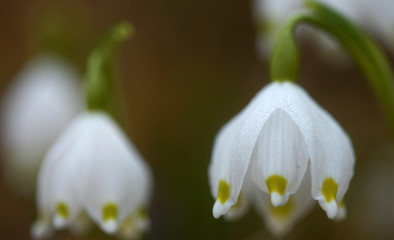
(374,16)
(41,102)
(279,153)
(93,169)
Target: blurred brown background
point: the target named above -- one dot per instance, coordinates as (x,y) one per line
(189,68)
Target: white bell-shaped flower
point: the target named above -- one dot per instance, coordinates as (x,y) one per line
(92,168)
(271,143)
(42,100)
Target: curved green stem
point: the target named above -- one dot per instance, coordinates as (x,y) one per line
(362,49)
(99,68)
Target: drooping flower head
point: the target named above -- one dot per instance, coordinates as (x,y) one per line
(265,151)
(38,106)
(92,170)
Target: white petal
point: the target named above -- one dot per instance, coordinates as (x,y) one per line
(280,155)
(43,99)
(331,208)
(62,191)
(112,174)
(56,179)
(285,96)
(281,220)
(293,106)
(220,208)
(225,168)
(332,162)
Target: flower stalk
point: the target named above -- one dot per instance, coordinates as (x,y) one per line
(99,68)
(367,55)
(284,63)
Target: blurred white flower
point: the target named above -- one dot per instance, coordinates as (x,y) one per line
(42,100)
(266,150)
(374,16)
(93,169)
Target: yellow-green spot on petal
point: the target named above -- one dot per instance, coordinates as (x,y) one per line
(109,212)
(341,204)
(329,189)
(282,211)
(142,213)
(223,192)
(62,210)
(276,183)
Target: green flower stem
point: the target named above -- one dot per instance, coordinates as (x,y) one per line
(285,55)
(99,68)
(362,49)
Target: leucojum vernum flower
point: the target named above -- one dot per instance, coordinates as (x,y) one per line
(282,144)
(93,170)
(283,150)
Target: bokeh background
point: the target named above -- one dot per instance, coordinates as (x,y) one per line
(190,67)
